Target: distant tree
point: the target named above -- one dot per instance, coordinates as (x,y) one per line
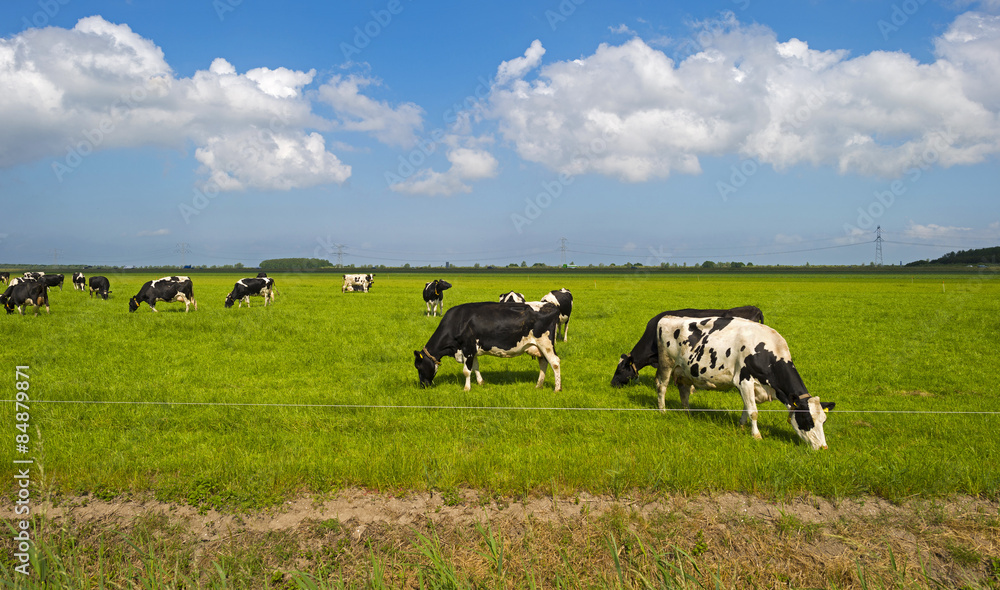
(293,263)
(407,265)
(524,264)
(238,265)
(708,264)
(537,264)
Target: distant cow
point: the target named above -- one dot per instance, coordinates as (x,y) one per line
(645,353)
(167,289)
(262,275)
(244,289)
(512,297)
(733,353)
(53,281)
(34,275)
(434,296)
(23,292)
(360,283)
(497,329)
(564,300)
(101,285)
(79,282)
(4,277)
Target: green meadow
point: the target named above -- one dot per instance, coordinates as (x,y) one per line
(242,408)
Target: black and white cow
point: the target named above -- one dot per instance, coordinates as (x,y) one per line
(4,277)
(34,275)
(244,289)
(362,283)
(434,296)
(23,292)
(512,297)
(79,282)
(496,329)
(101,285)
(53,280)
(645,352)
(733,353)
(564,300)
(262,275)
(167,289)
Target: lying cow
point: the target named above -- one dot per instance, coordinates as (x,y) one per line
(726,353)
(244,289)
(167,289)
(496,329)
(645,353)
(101,285)
(434,296)
(79,282)
(362,283)
(22,292)
(53,280)
(564,300)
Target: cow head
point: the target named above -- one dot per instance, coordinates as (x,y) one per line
(230,300)
(807,416)
(624,372)
(133,303)
(426,365)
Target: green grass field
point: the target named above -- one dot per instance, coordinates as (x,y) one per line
(324,395)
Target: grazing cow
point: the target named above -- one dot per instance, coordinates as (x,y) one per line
(645,353)
(167,289)
(496,329)
(23,292)
(4,277)
(262,275)
(79,282)
(101,286)
(512,297)
(360,283)
(733,353)
(564,300)
(244,289)
(434,296)
(34,275)
(53,281)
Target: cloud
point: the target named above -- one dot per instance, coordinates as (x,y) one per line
(467,164)
(72,92)
(622,29)
(933,231)
(155,232)
(519,66)
(631,112)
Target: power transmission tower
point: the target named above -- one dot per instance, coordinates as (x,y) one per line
(562,252)
(55,257)
(183,249)
(340,255)
(878,246)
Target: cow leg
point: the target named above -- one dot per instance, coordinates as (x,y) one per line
(662,381)
(467,367)
(685,389)
(475,369)
(749,406)
(566,330)
(547,353)
(542,365)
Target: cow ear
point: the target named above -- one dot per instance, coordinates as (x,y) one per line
(417,354)
(624,357)
(827,406)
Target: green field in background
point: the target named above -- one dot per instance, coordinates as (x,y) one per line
(330,397)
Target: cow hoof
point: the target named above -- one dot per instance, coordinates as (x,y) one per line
(757,436)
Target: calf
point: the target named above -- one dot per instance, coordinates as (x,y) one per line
(512,297)
(733,353)
(167,289)
(362,283)
(101,286)
(645,353)
(497,329)
(23,292)
(244,289)
(53,281)
(434,296)
(79,282)
(563,299)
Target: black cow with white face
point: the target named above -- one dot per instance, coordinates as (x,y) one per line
(53,280)
(23,292)
(434,296)
(497,329)
(512,297)
(167,289)
(733,353)
(244,289)
(79,282)
(564,300)
(101,286)
(4,277)
(645,353)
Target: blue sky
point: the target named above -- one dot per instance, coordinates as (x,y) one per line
(420,132)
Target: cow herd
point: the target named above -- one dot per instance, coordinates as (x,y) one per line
(707,349)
